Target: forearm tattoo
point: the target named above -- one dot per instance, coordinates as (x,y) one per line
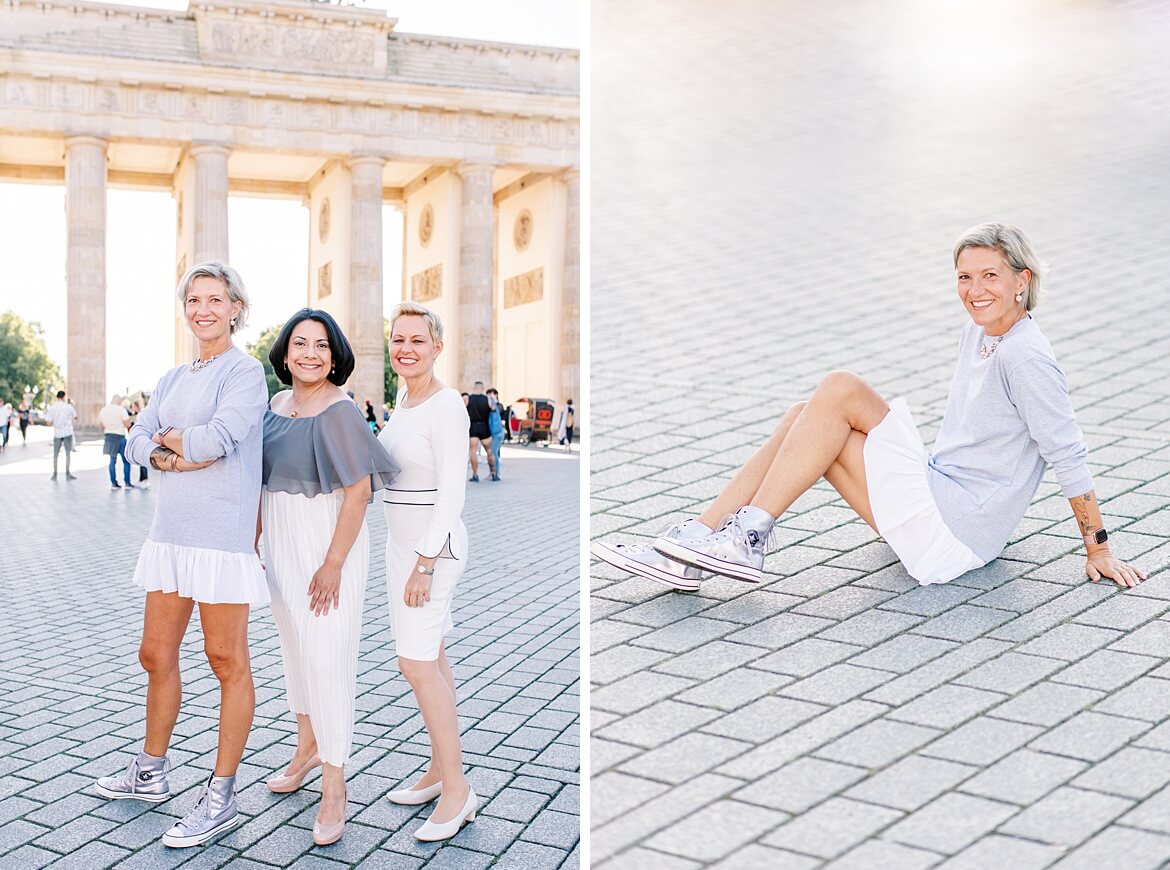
(160,459)
(1080,506)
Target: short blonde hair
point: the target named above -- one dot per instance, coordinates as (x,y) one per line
(231,280)
(1017,251)
(434,324)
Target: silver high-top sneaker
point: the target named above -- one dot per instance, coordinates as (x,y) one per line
(736,550)
(214,812)
(145,780)
(644,561)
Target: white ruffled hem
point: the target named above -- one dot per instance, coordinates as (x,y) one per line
(903,506)
(201,574)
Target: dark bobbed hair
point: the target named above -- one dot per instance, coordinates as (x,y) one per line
(343,360)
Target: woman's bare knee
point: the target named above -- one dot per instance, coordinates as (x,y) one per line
(156,659)
(229,665)
(841,382)
(414,669)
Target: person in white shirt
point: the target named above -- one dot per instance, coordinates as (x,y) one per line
(60,416)
(115,421)
(6,417)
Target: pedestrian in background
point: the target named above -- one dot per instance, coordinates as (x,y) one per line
(201,548)
(479,432)
(60,415)
(115,421)
(143,476)
(24,413)
(570,413)
(322,464)
(6,417)
(496,425)
(371,417)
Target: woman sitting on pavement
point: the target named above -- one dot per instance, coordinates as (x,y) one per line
(1007,419)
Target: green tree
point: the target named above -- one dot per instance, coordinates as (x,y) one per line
(390,389)
(259,349)
(24,359)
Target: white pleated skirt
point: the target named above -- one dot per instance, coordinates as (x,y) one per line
(202,574)
(320,653)
(903,506)
(419,631)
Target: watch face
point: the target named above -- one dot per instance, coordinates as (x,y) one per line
(1101,536)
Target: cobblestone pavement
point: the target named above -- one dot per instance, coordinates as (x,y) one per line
(71,690)
(775,191)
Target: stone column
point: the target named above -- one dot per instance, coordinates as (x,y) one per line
(571,290)
(365,277)
(474,338)
(210,241)
(201,186)
(85,276)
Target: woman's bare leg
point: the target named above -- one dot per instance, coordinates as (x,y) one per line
(842,405)
(747,480)
(306,744)
(225,641)
(332,809)
(847,475)
(163,625)
(436,702)
(434,771)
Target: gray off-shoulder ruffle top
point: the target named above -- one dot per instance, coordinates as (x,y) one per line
(332,450)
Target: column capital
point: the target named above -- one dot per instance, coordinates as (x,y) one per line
(365,160)
(472,167)
(208,148)
(86,140)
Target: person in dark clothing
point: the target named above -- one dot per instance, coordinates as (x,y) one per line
(478,411)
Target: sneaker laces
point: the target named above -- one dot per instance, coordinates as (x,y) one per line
(130,777)
(733,527)
(201,810)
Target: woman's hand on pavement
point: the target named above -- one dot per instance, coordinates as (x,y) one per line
(1109,566)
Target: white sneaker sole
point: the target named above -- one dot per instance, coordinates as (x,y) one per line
(184,842)
(674,550)
(619,560)
(122,796)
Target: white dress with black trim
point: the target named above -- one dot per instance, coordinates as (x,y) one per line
(428,443)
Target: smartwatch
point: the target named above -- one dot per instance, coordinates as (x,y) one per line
(1098,537)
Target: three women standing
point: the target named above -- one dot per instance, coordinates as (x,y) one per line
(204,429)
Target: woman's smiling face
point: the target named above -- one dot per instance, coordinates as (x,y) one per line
(988,288)
(412,350)
(309,358)
(209,308)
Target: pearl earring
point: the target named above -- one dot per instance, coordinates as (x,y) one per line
(1019,298)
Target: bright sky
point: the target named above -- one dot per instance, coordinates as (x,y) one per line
(268,238)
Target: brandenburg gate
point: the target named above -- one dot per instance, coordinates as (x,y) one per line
(476,142)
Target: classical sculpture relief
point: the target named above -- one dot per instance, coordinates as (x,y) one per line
(522,289)
(427,284)
(522,231)
(325,280)
(426,225)
(323,216)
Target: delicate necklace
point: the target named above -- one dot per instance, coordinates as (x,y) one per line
(986,350)
(303,404)
(198,364)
